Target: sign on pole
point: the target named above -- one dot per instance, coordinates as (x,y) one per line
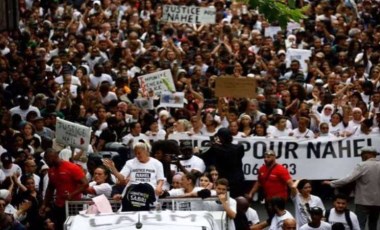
(72,134)
(189,14)
(158,82)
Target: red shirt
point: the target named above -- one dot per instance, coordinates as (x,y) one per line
(275,184)
(65,178)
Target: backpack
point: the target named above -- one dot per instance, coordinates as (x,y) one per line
(346,215)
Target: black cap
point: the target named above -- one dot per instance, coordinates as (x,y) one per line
(316,211)
(186,144)
(6,158)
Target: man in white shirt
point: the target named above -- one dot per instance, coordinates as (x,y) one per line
(340,214)
(225,203)
(187,162)
(24,107)
(281,214)
(316,214)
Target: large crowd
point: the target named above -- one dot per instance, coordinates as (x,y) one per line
(80,60)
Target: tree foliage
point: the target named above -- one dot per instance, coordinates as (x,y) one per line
(277,10)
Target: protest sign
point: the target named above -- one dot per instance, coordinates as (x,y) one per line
(315,159)
(235,87)
(158,82)
(271,31)
(298,54)
(143,103)
(189,14)
(172,100)
(72,134)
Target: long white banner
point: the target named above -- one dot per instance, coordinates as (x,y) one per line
(189,14)
(315,159)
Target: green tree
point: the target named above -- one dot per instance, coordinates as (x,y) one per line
(277,10)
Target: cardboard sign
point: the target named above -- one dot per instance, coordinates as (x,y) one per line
(235,87)
(72,134)
(189,14)
(158,82)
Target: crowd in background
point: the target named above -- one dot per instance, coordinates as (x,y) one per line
(79,60)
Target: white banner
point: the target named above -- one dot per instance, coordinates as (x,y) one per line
(189,14)
(315,159)
(72,134)
(158,82)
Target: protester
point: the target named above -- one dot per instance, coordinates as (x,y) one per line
(274,179)
(316,214)
(227,159)
(341,214)
(66,180)
(225,203)
(366,175)
(303,201)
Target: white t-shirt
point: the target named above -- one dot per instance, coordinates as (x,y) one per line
(252,216)
(74,80)
(100,189)
(95,81)
(23,113)
(14,169)
(323,226)
(108,98)
(194,163)
(307,134)
(302,216)
(273,131)
(127,138)
(2,176)
(334,217)
(150,172)
(278,221)
(214,206)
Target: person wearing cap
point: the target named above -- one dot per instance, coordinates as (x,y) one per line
(366,175)
(227,158)
(316,214)
(274,179)
(8,167)
(187,161)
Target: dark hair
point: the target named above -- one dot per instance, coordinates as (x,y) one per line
(206,174)
(192,177)
(302,183)
(24,178)
(262,124)
(338,226)
(222,181)
(107,172)
(341,196)
(278,202)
